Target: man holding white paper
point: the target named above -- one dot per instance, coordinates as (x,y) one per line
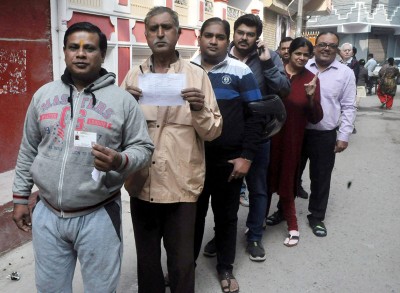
(82,136)
(164,195)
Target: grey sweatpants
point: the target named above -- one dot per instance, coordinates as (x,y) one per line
(95,239)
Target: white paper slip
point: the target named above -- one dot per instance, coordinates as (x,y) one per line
(160,89)
(96,174)
(84,139)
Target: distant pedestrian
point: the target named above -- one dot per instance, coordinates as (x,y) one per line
(387,83)
(370,66)
(361,82)
(346,53)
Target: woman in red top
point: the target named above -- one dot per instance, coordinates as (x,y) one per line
(302,106)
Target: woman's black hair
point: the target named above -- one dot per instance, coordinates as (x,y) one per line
(300,42)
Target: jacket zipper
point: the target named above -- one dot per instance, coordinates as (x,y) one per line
(69,135)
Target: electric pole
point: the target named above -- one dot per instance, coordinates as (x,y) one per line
(299,19)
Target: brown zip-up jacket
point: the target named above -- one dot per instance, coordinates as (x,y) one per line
(177,169)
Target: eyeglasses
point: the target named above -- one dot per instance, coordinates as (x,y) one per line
(324,45)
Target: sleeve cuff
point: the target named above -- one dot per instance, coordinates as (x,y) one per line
(343,137)
(248,155)
(124,162)
(21,199)
(267,64)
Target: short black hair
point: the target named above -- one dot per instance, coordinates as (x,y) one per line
(218,20)
(327,33)
(300,42)
(249,20)
(361,62)
(284,40)
(371,55)
(91,28)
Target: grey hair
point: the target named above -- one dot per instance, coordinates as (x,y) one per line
(161,9)
(346,44)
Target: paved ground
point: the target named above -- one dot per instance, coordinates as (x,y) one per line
(360,254)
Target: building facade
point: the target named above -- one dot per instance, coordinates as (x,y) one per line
(372,26)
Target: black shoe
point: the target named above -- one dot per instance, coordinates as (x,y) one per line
(317,226)
(256,251)
(354,130)
(302,193)
(210,249)
(274,219)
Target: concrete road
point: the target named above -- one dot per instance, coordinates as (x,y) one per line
(360,254)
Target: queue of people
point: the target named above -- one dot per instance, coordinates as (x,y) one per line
(176,156)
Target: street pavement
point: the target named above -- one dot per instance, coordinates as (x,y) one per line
(360,254)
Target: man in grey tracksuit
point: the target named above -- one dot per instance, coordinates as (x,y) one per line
(82,136)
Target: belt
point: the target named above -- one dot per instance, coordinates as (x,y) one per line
(113,195)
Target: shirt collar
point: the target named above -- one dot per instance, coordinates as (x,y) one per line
(335,64)
(174,66)
(197,60)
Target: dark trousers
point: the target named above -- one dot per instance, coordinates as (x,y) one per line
(318,147)
(225,205)
(370,83)
(256,180)
(174,223)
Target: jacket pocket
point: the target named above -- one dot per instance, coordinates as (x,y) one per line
(180,115)
(135,182)
(192,177)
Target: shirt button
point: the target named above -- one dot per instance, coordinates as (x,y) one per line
(158,126)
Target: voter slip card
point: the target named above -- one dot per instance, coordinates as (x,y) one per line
(84,139)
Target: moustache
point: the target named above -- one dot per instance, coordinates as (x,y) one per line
(243,42)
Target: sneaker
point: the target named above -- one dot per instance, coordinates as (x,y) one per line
(256,251)
(302,193)
(274,219)
(244,199)
(210,249)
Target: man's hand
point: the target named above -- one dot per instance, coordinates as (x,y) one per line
(311,86)
(22,217)
(134,91)
(240,168)
(105,159)
(340,146)
(195,97)
(265,55)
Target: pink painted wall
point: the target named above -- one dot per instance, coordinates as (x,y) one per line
(25,65)
(103,22)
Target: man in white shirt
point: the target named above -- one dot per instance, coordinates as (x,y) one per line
(370,66)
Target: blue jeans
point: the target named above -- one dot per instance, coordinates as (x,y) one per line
(256,181)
